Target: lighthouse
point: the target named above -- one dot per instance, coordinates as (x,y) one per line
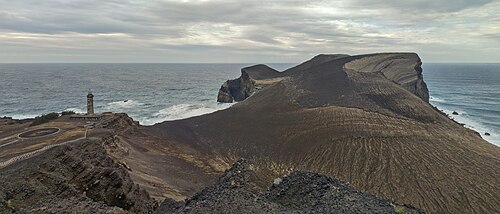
(90,103)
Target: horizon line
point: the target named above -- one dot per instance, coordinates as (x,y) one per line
(431,62)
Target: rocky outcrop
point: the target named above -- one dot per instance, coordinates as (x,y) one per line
(259,76)
(79,176)
(237,89)
(118,122)
(298,192)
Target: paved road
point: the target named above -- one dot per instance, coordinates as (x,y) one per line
(38,151)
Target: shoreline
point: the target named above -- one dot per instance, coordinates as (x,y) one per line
(445,112)
(468,123)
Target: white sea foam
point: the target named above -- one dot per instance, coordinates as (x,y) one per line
(182,111)
(76,110)
(126,104)
(23,116)
(436,99)
(472,123)
(31,116)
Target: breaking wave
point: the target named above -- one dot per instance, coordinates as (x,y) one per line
(470,122)
(182,111)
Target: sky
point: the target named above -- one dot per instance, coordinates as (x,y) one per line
(219,31)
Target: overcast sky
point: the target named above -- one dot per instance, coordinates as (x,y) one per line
(245,31)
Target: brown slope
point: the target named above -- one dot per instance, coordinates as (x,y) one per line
(361,126)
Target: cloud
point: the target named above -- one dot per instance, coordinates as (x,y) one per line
(423,6)
(244,31)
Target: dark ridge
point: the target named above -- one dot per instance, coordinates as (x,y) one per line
(298,192)
(260,71)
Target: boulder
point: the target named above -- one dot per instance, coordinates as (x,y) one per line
(455,113)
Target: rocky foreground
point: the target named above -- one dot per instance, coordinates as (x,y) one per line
(337,133)
(88,178)
(238,191)
(72,179)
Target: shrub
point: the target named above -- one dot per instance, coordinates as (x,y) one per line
(67,113)
(400,210)
(44,118)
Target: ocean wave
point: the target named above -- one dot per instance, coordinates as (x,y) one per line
(22,116)
(76,110)
(179,89)
(182,111)
(436,99)
(122,105)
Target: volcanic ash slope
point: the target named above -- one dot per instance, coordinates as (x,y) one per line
(362,119)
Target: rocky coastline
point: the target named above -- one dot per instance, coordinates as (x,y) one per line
(337,133)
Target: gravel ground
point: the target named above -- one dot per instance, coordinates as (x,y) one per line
(299,192)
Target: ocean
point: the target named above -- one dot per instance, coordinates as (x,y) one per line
(472,90)
(152,93)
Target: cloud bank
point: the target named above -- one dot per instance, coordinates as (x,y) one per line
(245,31)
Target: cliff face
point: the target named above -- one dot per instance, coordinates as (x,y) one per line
(237,89)
(362,119)
(403,69)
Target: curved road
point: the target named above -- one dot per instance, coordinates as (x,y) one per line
(18,137)
(33,153)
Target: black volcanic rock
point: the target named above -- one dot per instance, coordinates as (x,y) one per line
(298,192)
(237,89)
(454,113)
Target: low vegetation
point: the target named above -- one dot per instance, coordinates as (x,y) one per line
(44,118)
(67,113)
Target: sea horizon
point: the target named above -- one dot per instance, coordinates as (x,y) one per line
(170,83)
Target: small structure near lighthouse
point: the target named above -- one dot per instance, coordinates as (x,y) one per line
(90,103)
(90,115)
